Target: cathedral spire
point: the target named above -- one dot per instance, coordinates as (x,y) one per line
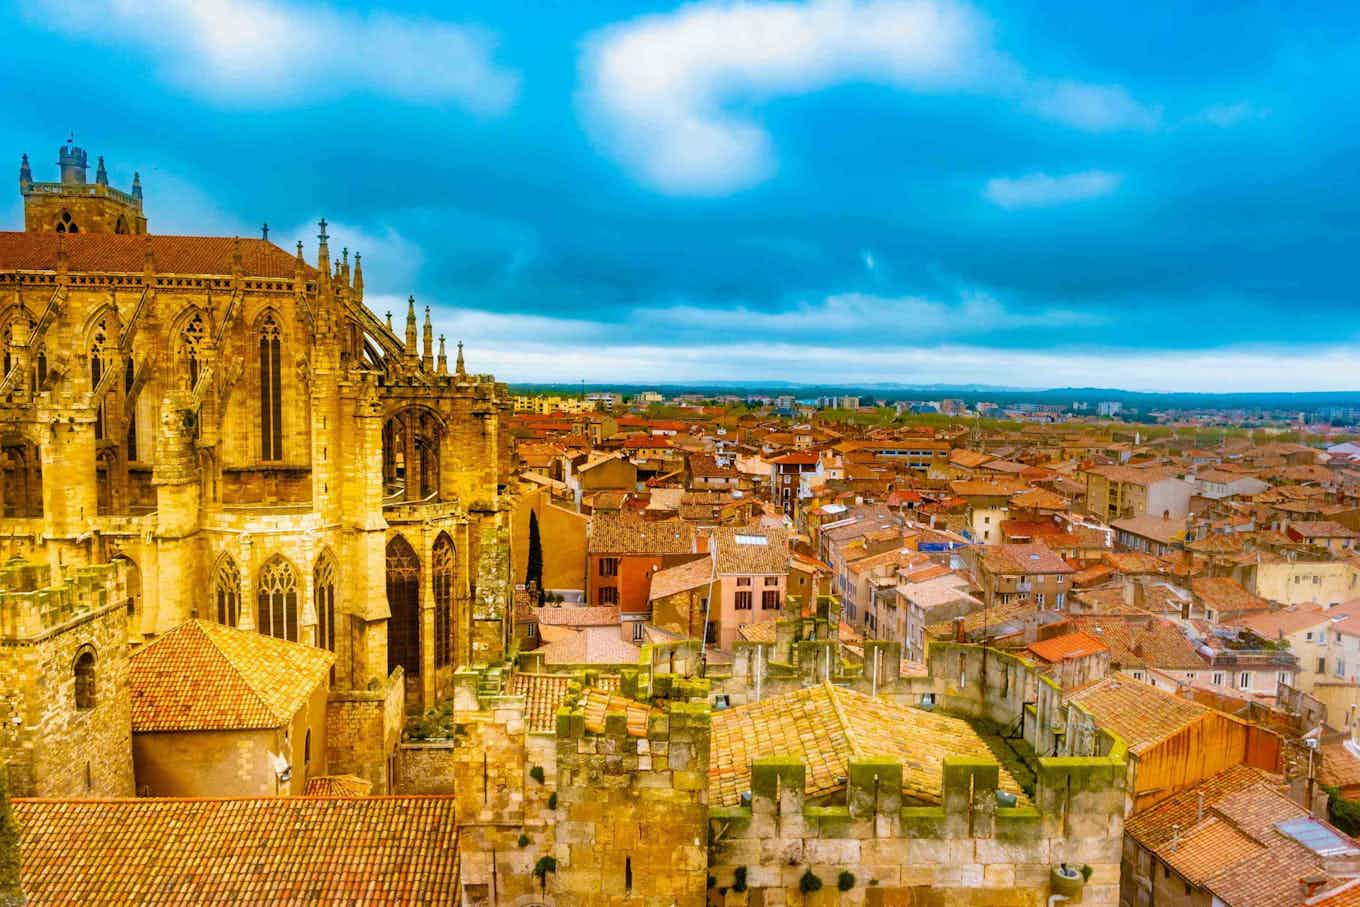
(443,363)
(101,176)
(358,279)
(427,342)
(344,265)
(25,174)
(411,327)
(458,368)
(323,251)
(137,186)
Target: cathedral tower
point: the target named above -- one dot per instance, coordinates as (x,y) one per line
(73,205)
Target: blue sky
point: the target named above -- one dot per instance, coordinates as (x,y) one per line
(1149,195)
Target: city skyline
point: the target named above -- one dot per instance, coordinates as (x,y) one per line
(916,192)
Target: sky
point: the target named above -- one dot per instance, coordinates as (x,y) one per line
(1145,195)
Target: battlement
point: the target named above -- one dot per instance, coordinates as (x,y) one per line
(977,839)
(31,606)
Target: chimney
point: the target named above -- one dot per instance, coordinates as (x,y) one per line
(958,630)
(1175,837)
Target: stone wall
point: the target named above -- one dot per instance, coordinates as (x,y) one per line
(424,768)
(61,749)
(968,851)
(634,806)
(363,728)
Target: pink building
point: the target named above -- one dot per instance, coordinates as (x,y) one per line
(752,579)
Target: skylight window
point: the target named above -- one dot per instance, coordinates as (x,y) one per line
(750,540)
(1317,837)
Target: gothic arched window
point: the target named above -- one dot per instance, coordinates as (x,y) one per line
(271,391)
(65,224)
(442,573)
(129,376)
(278,599)
(323,591)
(191,339)
(227,591)
(101,359)
(84,676)
(122,225)
(403,599)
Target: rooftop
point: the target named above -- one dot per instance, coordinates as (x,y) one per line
(826,726)
(247,851)
(204,676)
(126,254)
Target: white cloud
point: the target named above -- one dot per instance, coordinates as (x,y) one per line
(391,261)
(534,349)
(264,51)
(1037,190)
(1094,108)
(889,318)
(658,91)
(1226,115)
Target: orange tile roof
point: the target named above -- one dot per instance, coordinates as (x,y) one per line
(1139,712)
(121,253)
(1069,645)
(1208,849)
(825,726)
(275,850)
(203,676)
(337,786)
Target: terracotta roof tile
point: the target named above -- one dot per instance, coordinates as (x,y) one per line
(204,676)
(337,786)
(126,254)
(825,726)
(1139,712)
(615,533)
(1069,645)
(276,850)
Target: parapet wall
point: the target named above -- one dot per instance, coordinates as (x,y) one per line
(968,850)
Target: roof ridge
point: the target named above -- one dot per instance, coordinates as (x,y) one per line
(245,677)
(850,738)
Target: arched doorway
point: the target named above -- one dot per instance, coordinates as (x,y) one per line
(403,598)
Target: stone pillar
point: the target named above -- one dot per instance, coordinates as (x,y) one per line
(11,887)
(68,460)
(175,477)
(490,607)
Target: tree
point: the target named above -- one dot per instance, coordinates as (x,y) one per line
(11,891)
(533,575)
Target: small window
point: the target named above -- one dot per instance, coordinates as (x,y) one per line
(1244,680)
(84,676)
(307,749)
(609,595)
(609,566)
(1218,679)
(743,581)
(743,601)
(637,631)
(769,600)
(771,580)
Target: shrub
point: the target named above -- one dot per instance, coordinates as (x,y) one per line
(537,773)
(739,879)
(552,800)
(523,840)
(544,866)
(845,881)
(809,882)
(1086,871)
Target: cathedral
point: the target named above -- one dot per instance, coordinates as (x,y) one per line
(229,426)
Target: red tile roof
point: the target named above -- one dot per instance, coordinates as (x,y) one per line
(295,850)
(118,253)
(1069,645)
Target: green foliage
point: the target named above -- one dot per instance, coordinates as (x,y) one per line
(1086,871)
(1343,813)
(845,881)
(552,800)
(523,840)
(435,724)
(739,879)
(533,574)
(537,773)
(544,866)
(809,882)
(712,880)
(10,889)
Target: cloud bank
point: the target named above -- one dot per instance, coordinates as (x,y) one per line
(266,52)
(669,95)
